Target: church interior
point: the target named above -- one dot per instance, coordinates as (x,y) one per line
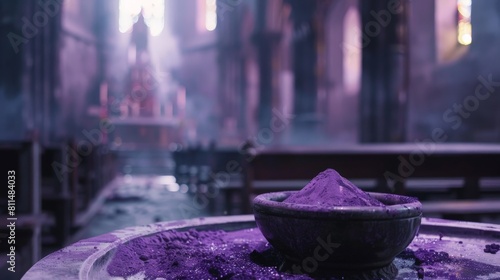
(124,113)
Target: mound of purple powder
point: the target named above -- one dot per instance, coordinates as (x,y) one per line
(328,189)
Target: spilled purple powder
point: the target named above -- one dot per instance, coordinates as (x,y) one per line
(430,257)
(195,255)
(245,254)
(492,248)
(328,189)
(427,258)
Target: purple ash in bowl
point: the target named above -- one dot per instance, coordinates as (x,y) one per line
(329,189)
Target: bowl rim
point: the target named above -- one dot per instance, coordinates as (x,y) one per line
(271,204)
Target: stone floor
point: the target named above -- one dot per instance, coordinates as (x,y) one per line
(145,199)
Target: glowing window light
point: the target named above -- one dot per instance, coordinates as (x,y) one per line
(464,33)
(210,14)
(352,52)
(129,13)
(153,12)
(154,15)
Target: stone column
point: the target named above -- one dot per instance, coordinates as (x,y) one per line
(266,42)
(384,71)
(304,58)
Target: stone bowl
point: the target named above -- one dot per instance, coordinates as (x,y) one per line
(340,237)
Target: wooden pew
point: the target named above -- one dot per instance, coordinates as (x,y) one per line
(391,165)
(227,175)
(220,168)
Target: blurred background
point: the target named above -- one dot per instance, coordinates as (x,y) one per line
(120,113)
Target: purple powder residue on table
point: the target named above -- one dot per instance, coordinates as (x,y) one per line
(234,255)
(430,257)
(245,254)
(492,248)
(432,264)
(194,255)
(329,189)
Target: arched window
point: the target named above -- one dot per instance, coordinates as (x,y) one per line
(453,29)
(207,15)
(153,12)
(352,52)
(464,23)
